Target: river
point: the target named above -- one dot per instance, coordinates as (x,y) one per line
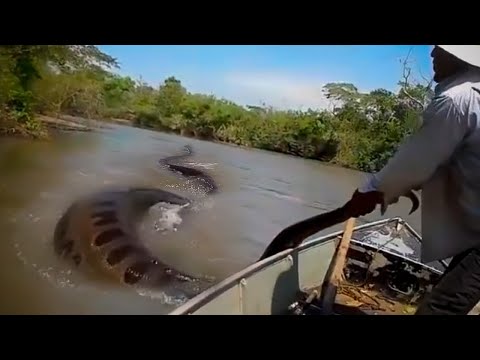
(260,194)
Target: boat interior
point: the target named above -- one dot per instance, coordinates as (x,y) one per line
(375,281)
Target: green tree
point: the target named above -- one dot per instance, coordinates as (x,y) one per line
(171,95)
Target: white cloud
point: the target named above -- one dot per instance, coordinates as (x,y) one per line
(280,90)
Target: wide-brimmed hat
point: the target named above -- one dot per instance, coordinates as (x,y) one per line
(468,53)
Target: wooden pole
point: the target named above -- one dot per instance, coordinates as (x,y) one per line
(334,275)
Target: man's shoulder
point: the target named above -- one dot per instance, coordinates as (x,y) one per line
(459,93)
(443,105)
(463,93)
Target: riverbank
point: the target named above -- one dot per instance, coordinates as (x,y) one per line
(65,122)
(44,123)
(32,130)
(345,150)
(40,129)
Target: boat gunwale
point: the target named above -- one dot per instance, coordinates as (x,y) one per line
(209,294)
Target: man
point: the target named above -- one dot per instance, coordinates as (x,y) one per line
(442,159)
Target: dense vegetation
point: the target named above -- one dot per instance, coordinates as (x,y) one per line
(361,132)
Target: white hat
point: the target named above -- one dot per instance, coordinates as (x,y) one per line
(468,53)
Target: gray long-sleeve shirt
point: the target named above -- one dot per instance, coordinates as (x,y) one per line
(443,160)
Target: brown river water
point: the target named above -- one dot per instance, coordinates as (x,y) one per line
(260,194)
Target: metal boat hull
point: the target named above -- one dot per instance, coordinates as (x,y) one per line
(386,251)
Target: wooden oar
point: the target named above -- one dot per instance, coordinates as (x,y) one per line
(335,272)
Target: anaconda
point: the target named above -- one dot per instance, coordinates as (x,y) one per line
(100,230)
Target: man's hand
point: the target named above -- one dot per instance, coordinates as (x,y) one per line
(363,203)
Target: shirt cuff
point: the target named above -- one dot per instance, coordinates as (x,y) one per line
(369,185)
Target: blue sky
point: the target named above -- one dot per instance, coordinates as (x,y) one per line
(283,76)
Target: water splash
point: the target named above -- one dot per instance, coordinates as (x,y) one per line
(168,218)
(207,166)
(163,297)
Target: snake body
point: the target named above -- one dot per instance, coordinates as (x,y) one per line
(100,230)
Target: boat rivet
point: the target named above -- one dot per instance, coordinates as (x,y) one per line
(243,282)
(290,259)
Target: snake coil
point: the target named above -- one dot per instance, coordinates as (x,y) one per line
(101,230)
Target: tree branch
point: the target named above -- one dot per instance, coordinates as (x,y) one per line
(407,70)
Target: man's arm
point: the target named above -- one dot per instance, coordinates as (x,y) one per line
(416,160)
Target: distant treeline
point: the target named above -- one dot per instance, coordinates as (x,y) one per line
(361,132)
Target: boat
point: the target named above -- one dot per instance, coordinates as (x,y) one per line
(383,275)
